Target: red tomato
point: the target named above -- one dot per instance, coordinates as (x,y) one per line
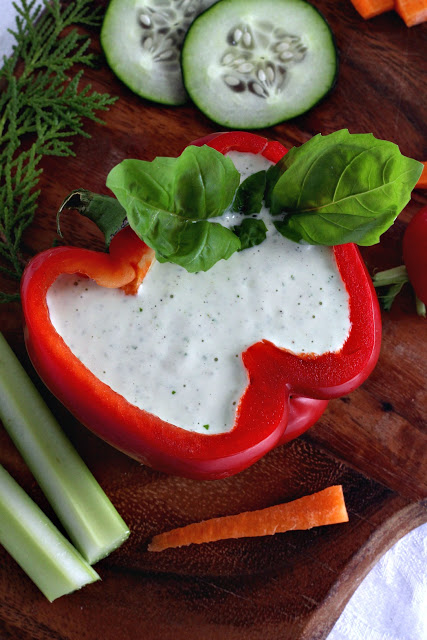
(415,253)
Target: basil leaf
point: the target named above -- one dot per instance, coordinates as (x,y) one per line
(340,188)
(250,194)
(195,245)
(205,183)
(251,232)
(169,201)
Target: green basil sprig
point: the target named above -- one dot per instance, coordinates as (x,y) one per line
(340,188)
(331,190)
(169,203)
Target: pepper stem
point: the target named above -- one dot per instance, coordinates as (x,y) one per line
(106,212)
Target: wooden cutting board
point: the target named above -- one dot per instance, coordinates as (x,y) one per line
(291,586)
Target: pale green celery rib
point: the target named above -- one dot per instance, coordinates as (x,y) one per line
(396,275)
(81,505)
(45,555)
(421,307)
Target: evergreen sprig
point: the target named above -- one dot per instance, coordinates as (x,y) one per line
(41,107)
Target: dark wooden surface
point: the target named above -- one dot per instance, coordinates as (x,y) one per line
(291,586)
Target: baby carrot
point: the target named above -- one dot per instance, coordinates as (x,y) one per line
(370,8)
(422,182)
(322,508)
(412,11)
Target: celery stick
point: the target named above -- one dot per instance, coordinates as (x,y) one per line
(421,307)
(86,513)
(396,275)
(48,558)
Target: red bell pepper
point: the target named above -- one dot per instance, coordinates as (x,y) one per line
(286,393)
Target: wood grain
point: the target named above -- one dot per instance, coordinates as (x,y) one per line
(291,586)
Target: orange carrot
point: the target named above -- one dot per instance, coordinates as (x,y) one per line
(422,182)
(370,8)
(324,507)
(412,11)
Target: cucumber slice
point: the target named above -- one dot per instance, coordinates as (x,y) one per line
(249,64)
(142,42)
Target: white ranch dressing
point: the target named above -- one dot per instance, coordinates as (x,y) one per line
(174,349)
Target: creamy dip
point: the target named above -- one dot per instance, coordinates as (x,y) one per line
(174,349)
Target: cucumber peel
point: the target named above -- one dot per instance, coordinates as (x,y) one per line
(142,42)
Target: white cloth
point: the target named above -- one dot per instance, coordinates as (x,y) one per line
(7,21)
(391,603)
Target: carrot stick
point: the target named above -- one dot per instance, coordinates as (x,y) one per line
(422,182)
(324,507)
(370,8)
(412,11)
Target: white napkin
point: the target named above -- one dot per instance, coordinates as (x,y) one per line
(391,603)
(7,21)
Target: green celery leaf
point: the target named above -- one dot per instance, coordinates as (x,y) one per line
(387,298)
(251,232)
(250,194)
(340,188)
(169,203)
(391,282)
